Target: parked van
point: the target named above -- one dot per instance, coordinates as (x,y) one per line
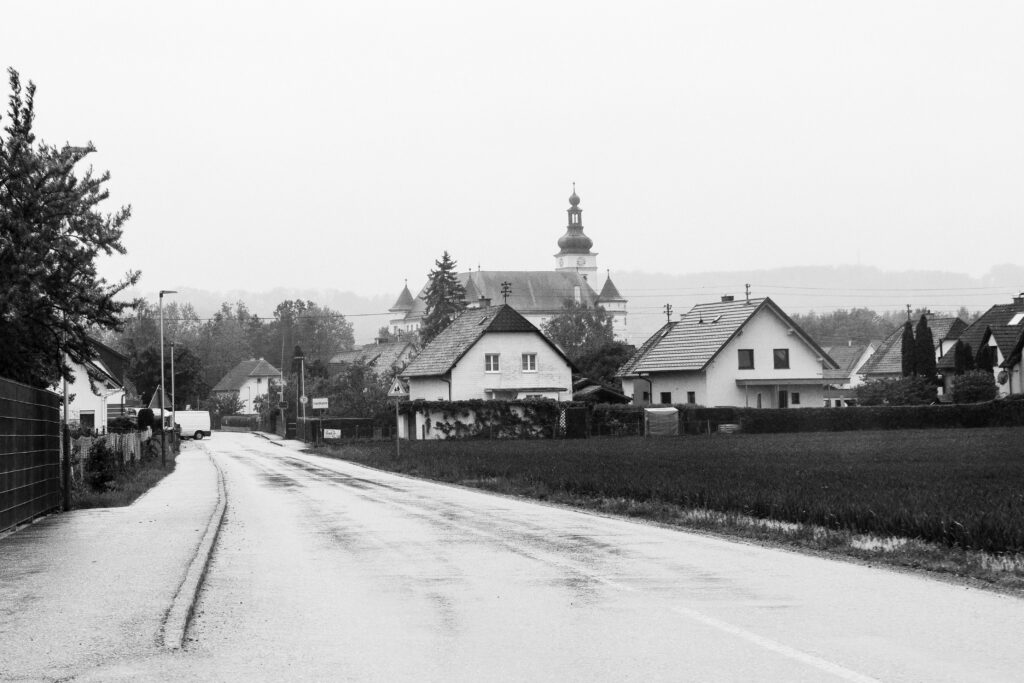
(195,424)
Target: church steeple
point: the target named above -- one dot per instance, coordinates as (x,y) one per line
(574,247)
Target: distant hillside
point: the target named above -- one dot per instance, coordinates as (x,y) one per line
(797,290)
(814,288)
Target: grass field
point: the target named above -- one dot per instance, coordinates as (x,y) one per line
(957,492)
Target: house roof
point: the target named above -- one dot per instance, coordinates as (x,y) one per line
(846,356)
(441,355)
(700,334)
(381,356)
(996,319)
(240,374)
(888,357)
(533,291)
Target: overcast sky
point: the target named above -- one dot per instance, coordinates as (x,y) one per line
(346,145)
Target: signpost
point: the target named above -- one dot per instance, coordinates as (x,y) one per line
(332,433)
(319,404)
(399,391)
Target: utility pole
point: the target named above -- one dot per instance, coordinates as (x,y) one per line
(506,290)
(163,437)
(173,412)
(668,312)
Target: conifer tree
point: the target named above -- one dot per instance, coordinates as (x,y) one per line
(924,347)
(959,361)
(51,233)
(969,363)
(444,297)
(908,350)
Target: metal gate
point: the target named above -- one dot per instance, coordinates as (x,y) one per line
(29,453)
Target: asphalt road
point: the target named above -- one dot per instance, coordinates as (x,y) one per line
(326,570)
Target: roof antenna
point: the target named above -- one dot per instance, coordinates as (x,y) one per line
(748,291)
(506,290)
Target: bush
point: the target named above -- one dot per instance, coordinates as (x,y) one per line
(145,419)
(905,391)
(100,466)
(974,387)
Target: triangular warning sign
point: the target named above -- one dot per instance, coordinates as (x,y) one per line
(399,389)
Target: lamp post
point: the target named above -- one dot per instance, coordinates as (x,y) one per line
(173,404)
(163,437)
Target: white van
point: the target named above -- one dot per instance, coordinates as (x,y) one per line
(195,424)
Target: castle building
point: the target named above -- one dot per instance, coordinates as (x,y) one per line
(538,295)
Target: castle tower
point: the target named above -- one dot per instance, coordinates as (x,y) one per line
(574,253)
(616,304)
(400,310)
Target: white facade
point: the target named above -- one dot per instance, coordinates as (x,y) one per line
(797,383)
(86,407)
(253,388)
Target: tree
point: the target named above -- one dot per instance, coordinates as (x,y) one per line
(51,233)
(986,360)
(602,363)
(356,391)
(579,329)
(189,384)
(444,296)
(969,363)
(924,351)
(908,350)
(959,361)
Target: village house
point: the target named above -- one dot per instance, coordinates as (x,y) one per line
(536,294)
(850,358)
(485,353)
(99,390)
(247,381)
(1001,329)
(887,360)
(746,353)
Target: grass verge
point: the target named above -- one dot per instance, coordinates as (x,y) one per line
(127,485)
(942,501)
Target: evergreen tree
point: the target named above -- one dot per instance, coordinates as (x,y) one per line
(444,296)
(969,363)
(908,350)
(51,233)
(959,361)
(924,351)
(985,359)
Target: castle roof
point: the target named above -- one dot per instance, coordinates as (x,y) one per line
(405,301)
(609,292)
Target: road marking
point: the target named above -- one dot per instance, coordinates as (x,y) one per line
(769,644)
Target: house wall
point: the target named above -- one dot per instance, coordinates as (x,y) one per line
(427,389)
(470,380)
(83,400)
(253,388)
(678,384)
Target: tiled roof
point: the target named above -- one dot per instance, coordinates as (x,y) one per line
(240,374)
(846,356)
(533,291)
(888,358)
(381,356)
(447,348)
(995,318)
(699,335)
(609,292)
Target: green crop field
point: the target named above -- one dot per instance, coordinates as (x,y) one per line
(955,487)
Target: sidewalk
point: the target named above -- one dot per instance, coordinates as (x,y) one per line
(80,588)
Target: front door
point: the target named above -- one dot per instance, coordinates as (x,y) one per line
(783,399)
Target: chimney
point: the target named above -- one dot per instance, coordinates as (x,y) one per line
(727,298)
(484,302)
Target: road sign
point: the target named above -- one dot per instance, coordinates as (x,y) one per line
(398,389)
(332,433)
(319,404)
(303,400)
(283,405)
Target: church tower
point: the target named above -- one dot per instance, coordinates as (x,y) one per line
(574,253)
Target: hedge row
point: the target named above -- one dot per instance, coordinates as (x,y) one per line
(694,420)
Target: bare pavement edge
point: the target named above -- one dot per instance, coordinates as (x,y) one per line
(84,588)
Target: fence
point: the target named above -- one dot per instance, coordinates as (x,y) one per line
(312,429)
(29,453)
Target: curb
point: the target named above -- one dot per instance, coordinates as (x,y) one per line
(179,615)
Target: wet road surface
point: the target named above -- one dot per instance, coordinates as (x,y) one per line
(326,570)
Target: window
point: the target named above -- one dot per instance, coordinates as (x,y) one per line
(746,359)
(647,397)
(794,398)
(1015,320)
(491,362)
(529,362)
(781,357)
(666,397)
(691,396)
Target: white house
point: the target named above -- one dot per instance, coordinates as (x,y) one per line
(486,353)
(745,353)
(248,380)
(96,385)
(850,359)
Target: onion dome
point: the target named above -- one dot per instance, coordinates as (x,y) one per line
(575,242)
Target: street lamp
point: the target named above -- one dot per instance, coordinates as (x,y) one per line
(173,404)
(163,437)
